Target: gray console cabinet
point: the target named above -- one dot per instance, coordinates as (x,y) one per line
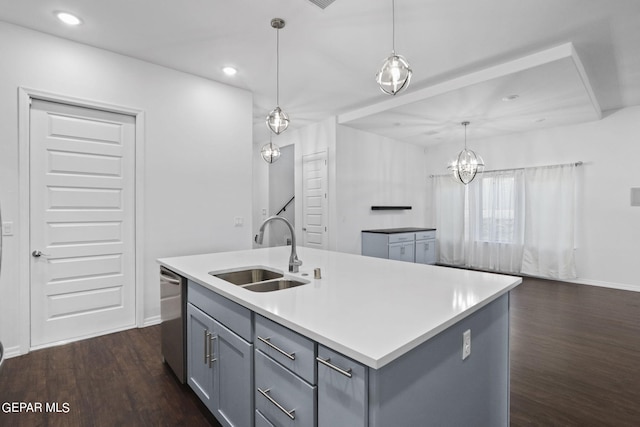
(401,244)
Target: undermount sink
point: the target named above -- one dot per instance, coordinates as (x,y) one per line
(245,277)
(274,285)
(258,279)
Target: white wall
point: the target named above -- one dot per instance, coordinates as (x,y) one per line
(197,159)
(608,233)
(373,170)
(363,170)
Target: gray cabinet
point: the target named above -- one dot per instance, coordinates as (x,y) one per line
(275,385)
(283,398)
(342,390)
(199,372)
(426,247)
(403,244)
(402,251)
(232,378)
(290,349)
(220,362)
(285,376)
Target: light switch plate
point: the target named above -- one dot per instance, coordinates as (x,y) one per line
(7,228)
(635,196)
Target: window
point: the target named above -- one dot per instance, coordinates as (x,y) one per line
(513,221)
(498,210)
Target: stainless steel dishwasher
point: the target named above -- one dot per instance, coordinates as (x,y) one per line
(173,302)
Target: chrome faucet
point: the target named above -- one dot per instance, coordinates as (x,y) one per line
(294,262)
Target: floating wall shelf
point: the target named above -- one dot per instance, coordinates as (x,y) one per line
(390,208)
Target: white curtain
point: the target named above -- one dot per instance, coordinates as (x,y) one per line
(449,204)
(496,223)
(549,222)
(517,221)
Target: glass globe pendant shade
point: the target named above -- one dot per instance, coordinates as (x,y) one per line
(394,75)
(278,121)
(270,152)
(466,166)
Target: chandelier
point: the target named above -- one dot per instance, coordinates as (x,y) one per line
(468,164)
(277,120)
(395,73)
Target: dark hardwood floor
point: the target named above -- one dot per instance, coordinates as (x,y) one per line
(575,355)
(575,361)
(113,380)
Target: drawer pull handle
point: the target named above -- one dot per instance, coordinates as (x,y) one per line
(211,338)
(265,393)
(267,341)
(207,348)
(327,361)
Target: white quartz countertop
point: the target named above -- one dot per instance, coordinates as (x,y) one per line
(370,309)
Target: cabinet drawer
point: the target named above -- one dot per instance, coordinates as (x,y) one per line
(230,314)
(281,396)
(342,390)
(401,237)
(261,421)
(287,347)
(422,235)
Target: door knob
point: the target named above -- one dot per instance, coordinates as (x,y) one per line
(38,254)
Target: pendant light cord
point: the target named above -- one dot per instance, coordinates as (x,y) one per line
(393,26)
(465,124)
(278,67)
(465,136)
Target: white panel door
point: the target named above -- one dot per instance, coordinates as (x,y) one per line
(82,166)
(314,200)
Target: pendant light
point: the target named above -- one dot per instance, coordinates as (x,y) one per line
(277,120)
(468,164)
(395,73)
(270,152)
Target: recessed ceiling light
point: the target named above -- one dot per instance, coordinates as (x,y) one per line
(510,98)
(68,18)
(229,71)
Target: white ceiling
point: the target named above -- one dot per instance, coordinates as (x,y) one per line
(461,51)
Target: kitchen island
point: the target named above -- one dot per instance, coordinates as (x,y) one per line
(400,325)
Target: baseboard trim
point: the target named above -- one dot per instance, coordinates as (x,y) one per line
(10,352)
(151,321)
(577,281)
(619,286)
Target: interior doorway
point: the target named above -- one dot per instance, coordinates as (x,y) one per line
(314,200)
(282,196)
(80,187)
